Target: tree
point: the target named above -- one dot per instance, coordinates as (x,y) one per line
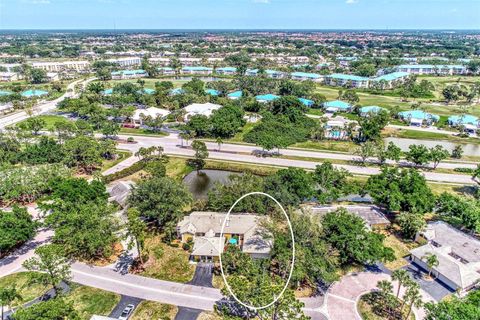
(372,126)
(455,308)
(437,154)
(350,96)
(136,230)
(365,151)
(160,199)
(226,121)
(7,296)
(431,261)
(451,93)
(16,227)
(410,224)
(347,233)
(413,297)
(331,182)
(219,142)
(83,152)
(33,124)
(393,152)
(457,152)
(56,309)
(418,154)
(154,123)
(401,190)
(47,150)
(201,153)
(290,186)
(476,174)
(37,75)
(402,276)
(199,124)
(51,261)
(110,129)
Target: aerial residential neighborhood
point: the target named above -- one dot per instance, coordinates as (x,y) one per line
(239,160)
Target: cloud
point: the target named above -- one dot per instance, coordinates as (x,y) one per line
(351,1)
(261,1)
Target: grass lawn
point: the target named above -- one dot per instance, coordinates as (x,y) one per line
(240,167)
(141,132)
(50,121)
(365,310)
(89,301)
(22,281)
(208,315)
(148,310)
(177,168)
(400,248)
(426,135)
(122,155)
(166,262)
(315,111)
(246,129)
(330,145)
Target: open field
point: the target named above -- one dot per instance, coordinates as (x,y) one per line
(26,287)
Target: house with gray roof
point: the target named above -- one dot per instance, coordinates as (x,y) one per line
(458,255)
(371,214)
(204,229)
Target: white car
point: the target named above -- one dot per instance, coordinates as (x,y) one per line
(127,312)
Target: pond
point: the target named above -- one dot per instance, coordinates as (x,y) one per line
(469,149)
(200,184)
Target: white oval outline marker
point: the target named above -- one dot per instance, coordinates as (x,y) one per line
(293,253)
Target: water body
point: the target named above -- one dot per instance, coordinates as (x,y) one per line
(469,149)
(200,184)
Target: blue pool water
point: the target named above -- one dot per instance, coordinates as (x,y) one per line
(34,93)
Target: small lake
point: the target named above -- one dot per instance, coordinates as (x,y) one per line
(469,149)
(200,184)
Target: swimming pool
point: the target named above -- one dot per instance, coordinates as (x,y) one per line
(34,93)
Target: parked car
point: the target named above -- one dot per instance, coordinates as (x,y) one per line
(127,312)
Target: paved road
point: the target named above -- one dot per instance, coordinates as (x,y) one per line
(183,295)
(42,107)
(203,275)
(187,314)
(243,153)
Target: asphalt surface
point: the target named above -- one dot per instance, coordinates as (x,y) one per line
(435,288)
(203,275)
(187,313)
(124,301)
(172,145)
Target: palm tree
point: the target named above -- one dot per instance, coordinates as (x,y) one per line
(184,136)
(7,297)
(414,298)
(402,276)
(386,289)
(432,261)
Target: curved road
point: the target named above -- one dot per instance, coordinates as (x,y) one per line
(42,107)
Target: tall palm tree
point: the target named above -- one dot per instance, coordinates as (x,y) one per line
(414,299)
(402,276)
(7,297)
(432,261)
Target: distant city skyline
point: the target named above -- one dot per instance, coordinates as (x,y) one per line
(240,14)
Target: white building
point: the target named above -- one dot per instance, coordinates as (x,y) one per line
(433,69)
(153,112)
(58,66)
(197,70)
(159,61)
(129,74)
(8,76)
(190,61)
(204,109)
(127,61)
(458,255)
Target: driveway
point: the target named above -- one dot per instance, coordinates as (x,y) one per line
(435,288)
(203,275)
(187,314)
(124,301)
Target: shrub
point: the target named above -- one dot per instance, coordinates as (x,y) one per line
(125,172)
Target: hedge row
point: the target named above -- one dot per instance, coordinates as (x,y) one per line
(137,166)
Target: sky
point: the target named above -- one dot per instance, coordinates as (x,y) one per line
(240,14)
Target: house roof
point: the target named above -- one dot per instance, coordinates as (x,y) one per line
(464,119)
(458,253)
(212,92)
(152,112)
(392,76)
(199,68)
(205,109)
(208,246)
(372,215)
(306,75)
(210,224)
(418,114)
(119,191)
(373,109)
(337,104)
(267,97)
(347,77)
(227,69)
(306,102)
(236,94)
